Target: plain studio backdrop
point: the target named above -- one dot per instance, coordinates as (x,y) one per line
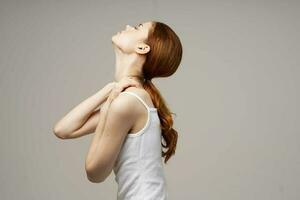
(235,95)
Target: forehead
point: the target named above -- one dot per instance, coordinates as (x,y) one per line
(147,25)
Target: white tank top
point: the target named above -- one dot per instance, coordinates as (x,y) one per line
(138,169)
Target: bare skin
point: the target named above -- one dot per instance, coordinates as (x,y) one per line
(83,119)
(124,112)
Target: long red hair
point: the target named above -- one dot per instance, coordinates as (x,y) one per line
(162,61)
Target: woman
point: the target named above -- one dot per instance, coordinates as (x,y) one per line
(134,123)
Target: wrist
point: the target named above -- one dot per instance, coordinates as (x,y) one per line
(111,85)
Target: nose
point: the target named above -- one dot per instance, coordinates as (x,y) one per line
(128,27)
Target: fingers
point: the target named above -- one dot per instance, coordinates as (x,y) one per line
(114,93)
(120,86)
(134,83)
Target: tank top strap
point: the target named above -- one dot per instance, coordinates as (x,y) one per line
(137,96)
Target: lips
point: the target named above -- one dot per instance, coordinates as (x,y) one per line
(120,32)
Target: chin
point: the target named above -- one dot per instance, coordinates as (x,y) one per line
(113,38)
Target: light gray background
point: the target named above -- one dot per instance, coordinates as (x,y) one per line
(235,94)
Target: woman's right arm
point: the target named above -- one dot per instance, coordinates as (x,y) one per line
(82,119)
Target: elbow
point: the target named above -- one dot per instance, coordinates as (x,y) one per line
(93,176)
(94,180)
(58,133)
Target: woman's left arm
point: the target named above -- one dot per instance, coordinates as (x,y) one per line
(107,144)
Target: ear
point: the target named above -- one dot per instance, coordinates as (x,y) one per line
(142,48)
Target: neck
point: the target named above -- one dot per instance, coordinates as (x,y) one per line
(129,65)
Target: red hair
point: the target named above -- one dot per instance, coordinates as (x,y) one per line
(162,61)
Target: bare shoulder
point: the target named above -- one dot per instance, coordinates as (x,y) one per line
(124,105)
(127,106)
(140,92)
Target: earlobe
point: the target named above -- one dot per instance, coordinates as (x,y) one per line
(143,49)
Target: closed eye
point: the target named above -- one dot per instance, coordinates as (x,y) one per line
(138,26)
